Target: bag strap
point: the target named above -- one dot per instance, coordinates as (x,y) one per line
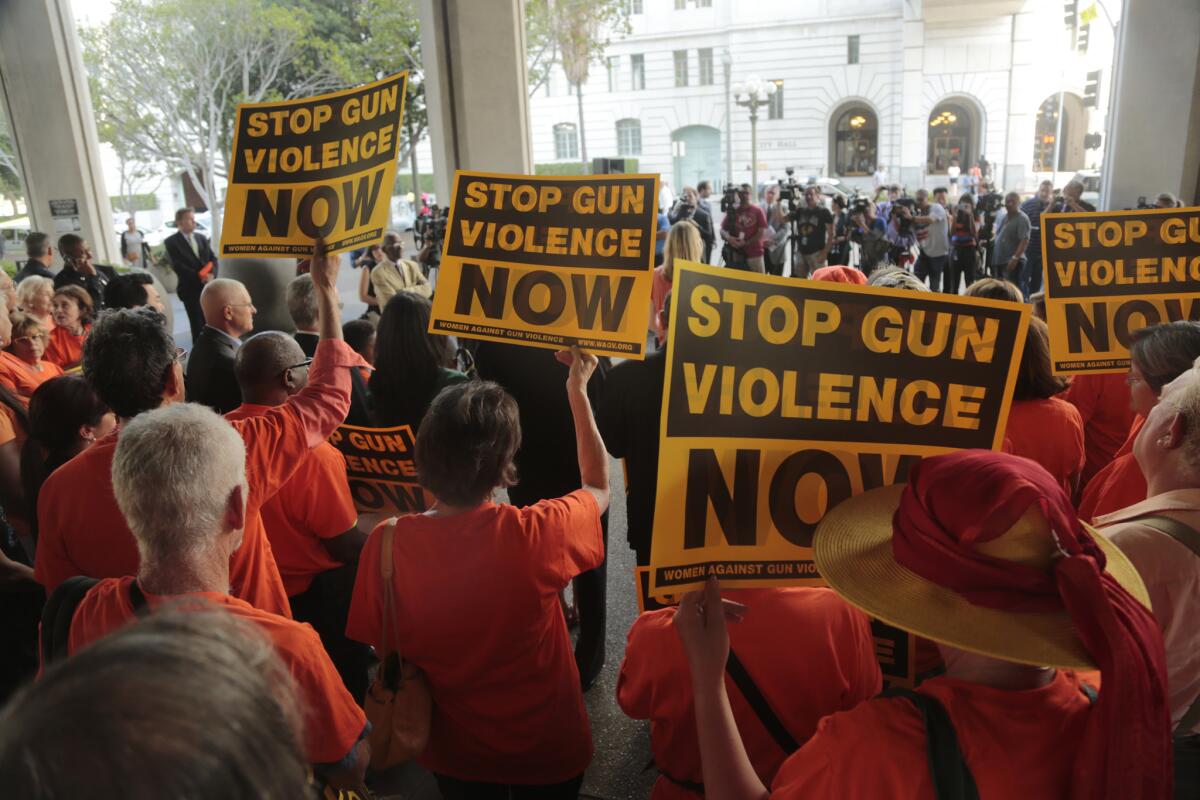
(1189,537)
(386,570)
(952,778)
(760,706)
(57,615)
(1186,535)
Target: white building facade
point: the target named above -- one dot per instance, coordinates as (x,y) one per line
(909,85)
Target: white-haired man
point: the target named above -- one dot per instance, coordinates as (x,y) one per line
(179,476)
(1160,536)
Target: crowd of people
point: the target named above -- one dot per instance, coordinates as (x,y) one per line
(184,569)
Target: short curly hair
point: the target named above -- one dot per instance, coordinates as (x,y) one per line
(128,358)
(467,443)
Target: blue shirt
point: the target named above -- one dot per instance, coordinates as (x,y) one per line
(663,225)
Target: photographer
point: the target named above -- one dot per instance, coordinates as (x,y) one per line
(814,234)
(743,230)
(1011,240)
(1034,207)
(1167,200)
(964,241)
(901,232)
(989,207)
(1071,200)
(933,239)
(689,207)
(839,252)
(869,232)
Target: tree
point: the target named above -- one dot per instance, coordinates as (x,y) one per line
(168,74)
(574,32)
(10,177)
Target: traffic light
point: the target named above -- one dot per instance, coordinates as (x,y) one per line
(1091,90)
(1081,38)
(1071,18)
(1091,141)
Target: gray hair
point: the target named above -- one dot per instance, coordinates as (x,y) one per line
(29,287)
(896,278)
(302,302)
(172,475)
(151,710)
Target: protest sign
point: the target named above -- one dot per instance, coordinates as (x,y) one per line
(783,398)
(549,262)
(317,167)
(1108,274)
(380,469)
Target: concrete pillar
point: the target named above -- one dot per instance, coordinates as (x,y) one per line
(910,170)
(1153,142)
(475,87)
(50,109)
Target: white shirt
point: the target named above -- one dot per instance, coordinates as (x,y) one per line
(937,242)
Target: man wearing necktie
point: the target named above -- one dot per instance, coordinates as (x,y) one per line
(193,260)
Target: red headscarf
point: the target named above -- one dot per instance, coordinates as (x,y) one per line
(840,274)
(953,503)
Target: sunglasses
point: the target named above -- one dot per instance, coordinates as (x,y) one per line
(302,365)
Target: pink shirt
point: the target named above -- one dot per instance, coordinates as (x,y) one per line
(1171,572)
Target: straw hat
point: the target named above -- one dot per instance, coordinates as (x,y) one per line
(853,550)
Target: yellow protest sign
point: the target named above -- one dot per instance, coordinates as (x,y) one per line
(380,469)
(783,398)
(1109,273)
(316,167)
(549,262)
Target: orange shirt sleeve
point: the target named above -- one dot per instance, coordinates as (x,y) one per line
(635,684)
(8,428)
(333,721)
(365,618)
(565,535)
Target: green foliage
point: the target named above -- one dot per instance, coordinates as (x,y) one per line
(404,183)
(575,167)
(134,202)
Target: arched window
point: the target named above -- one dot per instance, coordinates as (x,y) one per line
(952,138)
(1065,135)
(629,137)
(566,141)
(855,141)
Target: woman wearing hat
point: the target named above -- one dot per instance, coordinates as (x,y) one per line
(980,552)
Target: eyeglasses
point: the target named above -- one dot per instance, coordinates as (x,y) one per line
(180,353)
(45,337)
(238,305)
(302,365)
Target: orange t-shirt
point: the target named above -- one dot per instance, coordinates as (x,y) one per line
(1049,432)
(1103,403)
(65,348)
(24,378)
(837,661)
(1017,744)
(1119,485)
(477,609)
(333,722)
(314,504)
(81,531)
(10,427)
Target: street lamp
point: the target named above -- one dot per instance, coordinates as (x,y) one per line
(754,94)
(727,63)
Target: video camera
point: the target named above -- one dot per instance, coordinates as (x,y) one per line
(790,190)
(987,205)
(429,231)
(729,199)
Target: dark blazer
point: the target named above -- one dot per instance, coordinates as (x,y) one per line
(31,268)
(210,379)
(92,284)
(187,265)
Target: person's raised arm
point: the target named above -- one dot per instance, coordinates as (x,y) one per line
(593,460)
(324,271)
(700,622)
